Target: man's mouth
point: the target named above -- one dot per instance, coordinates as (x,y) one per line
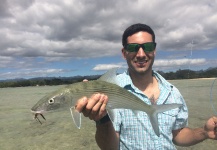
(141,61)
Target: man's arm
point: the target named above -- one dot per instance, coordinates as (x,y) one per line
(188,137)
(106,137)
(95,108)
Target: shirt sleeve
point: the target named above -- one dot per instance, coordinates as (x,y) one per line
(182,116)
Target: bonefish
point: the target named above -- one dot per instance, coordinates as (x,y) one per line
(119,98)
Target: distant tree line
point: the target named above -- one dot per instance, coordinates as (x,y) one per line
(189,74)
(179,74)
(45,81)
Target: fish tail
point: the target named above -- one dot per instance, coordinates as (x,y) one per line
(157,109)
(76,117)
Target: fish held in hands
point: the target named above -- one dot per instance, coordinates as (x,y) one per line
(119,98)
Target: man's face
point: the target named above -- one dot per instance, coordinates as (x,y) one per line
(139,62)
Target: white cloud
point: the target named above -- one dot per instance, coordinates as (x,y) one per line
(103,67)
(178,62)
(5,61)
(58,30)
(175,64)
(97,26)
(30,73)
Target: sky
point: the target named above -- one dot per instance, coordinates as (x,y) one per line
(64,38)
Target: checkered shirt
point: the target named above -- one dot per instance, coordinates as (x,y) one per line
(136,132)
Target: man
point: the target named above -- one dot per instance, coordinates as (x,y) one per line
(129,131)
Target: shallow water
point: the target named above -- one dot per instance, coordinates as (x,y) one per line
(20,131)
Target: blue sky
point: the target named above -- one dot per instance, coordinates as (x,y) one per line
(42,38)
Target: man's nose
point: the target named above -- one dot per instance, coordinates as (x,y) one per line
(141,52)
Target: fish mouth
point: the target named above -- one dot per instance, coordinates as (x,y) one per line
(36,114)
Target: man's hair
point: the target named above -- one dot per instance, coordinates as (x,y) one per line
(134,29)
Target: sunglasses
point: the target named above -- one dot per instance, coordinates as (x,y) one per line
(147,47)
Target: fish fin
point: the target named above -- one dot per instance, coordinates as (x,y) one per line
(154,122)
(76,117)
(111,114)
(110,76)
(157,109)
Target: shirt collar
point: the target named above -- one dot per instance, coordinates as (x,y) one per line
(128,82)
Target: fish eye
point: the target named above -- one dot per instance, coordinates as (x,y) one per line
(51,101)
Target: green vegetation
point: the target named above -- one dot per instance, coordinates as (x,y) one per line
(189,74)
(180,74)
(45,81)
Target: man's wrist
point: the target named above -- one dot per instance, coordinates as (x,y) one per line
(103,120)
(205,130)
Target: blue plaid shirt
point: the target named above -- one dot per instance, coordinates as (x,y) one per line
(136,132)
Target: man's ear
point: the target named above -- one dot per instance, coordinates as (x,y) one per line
(155,52)
(123,53)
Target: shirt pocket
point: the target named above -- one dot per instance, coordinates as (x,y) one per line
(167,120)
(131,128)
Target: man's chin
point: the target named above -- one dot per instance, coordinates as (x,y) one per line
(140,70)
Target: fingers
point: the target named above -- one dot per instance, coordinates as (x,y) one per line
(95,101)
(85,80)
(103,107)
(81,103)
(215,123)
(100,106)
(214,119)
(94,107)
(102,101)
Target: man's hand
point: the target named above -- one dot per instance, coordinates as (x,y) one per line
(93,107)
(211,128)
